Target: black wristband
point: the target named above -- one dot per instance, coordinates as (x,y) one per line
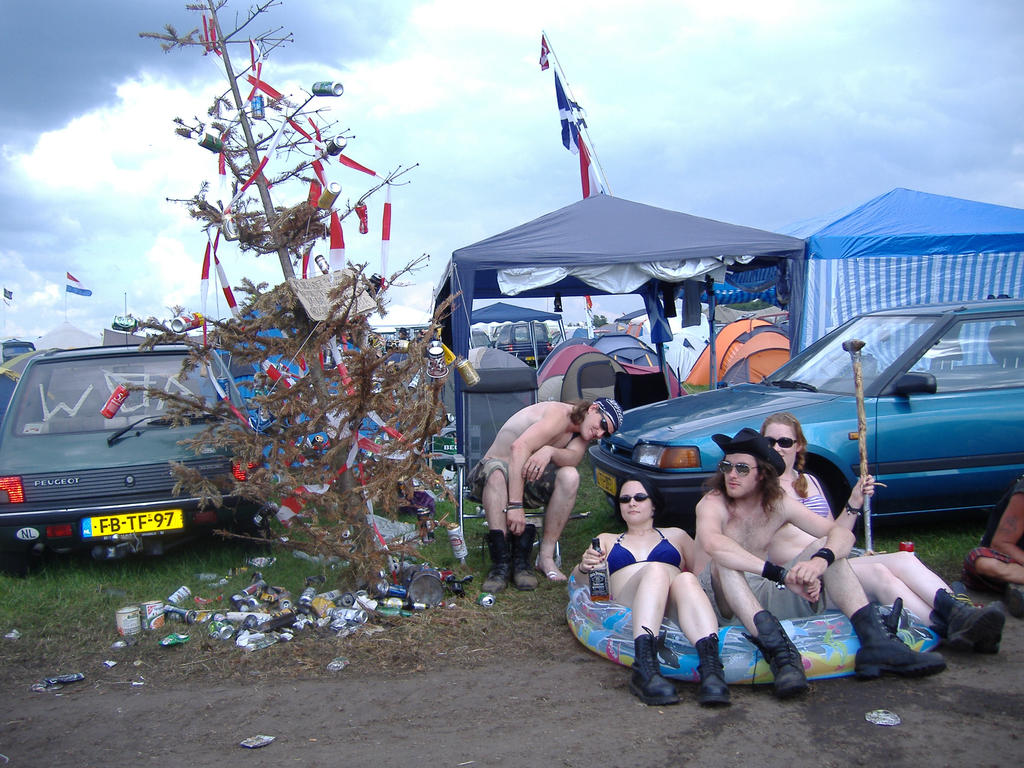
(853,510)
(825,554)
(773,572)
(514,505)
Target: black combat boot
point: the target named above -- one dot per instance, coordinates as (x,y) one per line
(783,657)
(965,627)
(497,577)
(522,573)
(647,684)
(713,691)
(891,621)
(881,652)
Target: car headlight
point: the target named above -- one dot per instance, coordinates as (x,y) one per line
(667,457)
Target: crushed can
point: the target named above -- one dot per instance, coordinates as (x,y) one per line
(486,599)
(181,593)
(220,630)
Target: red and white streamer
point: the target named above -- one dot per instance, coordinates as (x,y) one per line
(385,234)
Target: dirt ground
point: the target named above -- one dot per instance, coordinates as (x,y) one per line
(509,701)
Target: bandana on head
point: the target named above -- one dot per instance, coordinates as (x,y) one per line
(612,411)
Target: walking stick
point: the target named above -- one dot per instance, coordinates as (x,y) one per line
(854,346)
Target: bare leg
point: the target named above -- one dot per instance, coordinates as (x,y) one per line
(842,588)
(732,588)
(647,592)
(556,515)
(495,499)
(899,574)
(694,613)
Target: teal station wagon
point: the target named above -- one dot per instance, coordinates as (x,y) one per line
(944,401)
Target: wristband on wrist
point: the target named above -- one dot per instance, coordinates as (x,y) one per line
(853,510)
(773,572)
(513,505)
(825,554)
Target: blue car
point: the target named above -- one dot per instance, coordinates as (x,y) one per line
(944,404)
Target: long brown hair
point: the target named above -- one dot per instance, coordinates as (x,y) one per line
(768,485)
(579,411)
(787,419)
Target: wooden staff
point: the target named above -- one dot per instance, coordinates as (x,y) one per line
(854,346)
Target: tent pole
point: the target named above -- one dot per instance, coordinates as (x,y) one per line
(709,286)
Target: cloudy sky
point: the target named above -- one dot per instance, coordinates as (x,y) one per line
(754,112)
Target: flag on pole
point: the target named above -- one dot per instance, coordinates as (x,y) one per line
(74,286)
(8,297)
(573,140)
(544,51)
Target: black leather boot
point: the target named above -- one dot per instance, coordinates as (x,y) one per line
(891,620)
(713,691)
(965,627)
(881,652)
(647,684)
(783,657)
(501,565)
(523,576)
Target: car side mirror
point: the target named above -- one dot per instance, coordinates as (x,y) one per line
(915,383)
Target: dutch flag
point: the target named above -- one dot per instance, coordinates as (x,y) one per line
(73,286)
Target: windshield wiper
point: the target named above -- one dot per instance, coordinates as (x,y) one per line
(790,384)
(157,420)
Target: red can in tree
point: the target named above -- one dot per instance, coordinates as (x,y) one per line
(115,401)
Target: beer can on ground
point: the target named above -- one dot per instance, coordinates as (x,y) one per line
(906,546)
(181,593)
(129,621)
(486,599)
(115,401)
(458,542)
(220,630)
(152,614)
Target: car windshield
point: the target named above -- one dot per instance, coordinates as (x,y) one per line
(67,395)
(829,368)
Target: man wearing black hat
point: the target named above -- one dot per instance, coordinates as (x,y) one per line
(532,463)
(736,519)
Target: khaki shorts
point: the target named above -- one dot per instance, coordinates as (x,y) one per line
(536,493)
(778,600)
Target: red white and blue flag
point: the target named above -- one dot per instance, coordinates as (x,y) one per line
(544,51)
(573,141)
(74,286)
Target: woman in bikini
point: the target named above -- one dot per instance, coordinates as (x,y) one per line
(651,570)
(885,578)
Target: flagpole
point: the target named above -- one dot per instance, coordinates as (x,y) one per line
(569,94)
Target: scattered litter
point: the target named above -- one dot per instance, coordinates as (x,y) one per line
(109,663)
(13,635)
(882,717)
(119,644)
(175,638)
(337,664)
(262,562)
(255,742)
(56,683)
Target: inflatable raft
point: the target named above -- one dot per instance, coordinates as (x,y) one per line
(826,642)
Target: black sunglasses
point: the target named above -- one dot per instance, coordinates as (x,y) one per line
(727,466)
(604,427)
(638,497)
(783,442)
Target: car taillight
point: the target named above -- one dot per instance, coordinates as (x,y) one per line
(241,475)
(62,531)
(15,491)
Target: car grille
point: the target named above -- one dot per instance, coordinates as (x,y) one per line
(109,484)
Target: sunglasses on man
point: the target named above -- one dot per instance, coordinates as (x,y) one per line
(782,442)
(727,466)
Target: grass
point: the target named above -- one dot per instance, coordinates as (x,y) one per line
(65,611)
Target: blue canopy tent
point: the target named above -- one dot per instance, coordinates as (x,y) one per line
(500,312)
(903,248)
(602,245)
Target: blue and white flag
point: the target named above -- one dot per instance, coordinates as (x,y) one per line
(566,113)
(74,286)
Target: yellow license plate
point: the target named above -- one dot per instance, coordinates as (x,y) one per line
(134,522)
(605,482)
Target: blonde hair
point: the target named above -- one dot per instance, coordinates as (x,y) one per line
(787,419)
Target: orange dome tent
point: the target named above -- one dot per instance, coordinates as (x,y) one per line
(735,344)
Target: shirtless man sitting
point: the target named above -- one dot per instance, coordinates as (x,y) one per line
(532,463)
(736,519)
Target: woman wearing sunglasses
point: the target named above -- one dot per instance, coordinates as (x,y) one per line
(885,578)
(651,571)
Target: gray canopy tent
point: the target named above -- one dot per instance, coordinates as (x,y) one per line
(604,245)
